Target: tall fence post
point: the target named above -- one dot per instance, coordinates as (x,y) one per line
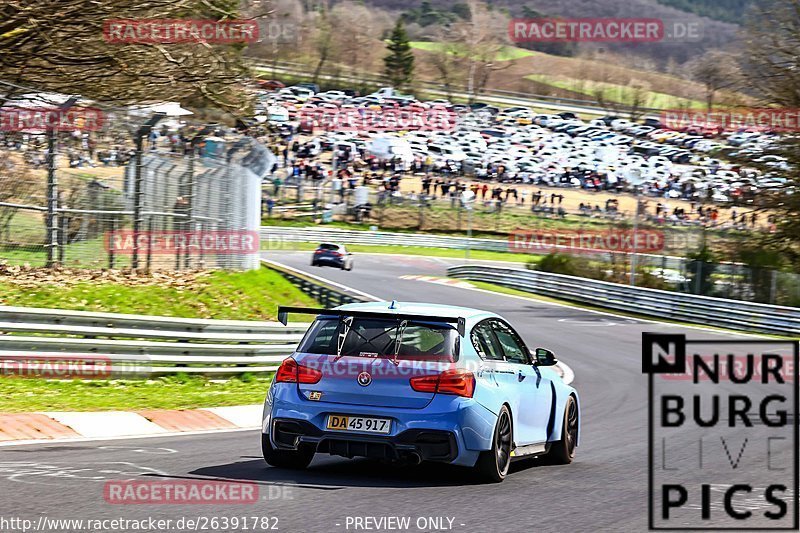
(52,198)
(698,282)
(186,223)
(149,261)
(110,242)
(63,237)
(137,199)
(145,129)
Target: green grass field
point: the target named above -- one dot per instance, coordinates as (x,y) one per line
(254,295)
(623,94)
(411,250)
(506,53)
(172,392)
(251,295)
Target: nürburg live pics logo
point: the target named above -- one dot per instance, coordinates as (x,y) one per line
(722,433)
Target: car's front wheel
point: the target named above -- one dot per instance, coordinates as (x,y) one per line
(493,464)
(294,459)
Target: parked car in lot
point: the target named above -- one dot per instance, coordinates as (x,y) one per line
(414,382)
(330,254)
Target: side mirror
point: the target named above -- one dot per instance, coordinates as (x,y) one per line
(544,357)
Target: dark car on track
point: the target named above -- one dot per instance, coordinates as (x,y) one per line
(330,254)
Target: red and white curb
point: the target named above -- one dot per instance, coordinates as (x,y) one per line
(23,428)
(440,281)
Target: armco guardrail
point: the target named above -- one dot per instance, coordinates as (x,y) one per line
(48,342)
(53,342)
(731,314)
(32,315)
(279,234)
(326,292)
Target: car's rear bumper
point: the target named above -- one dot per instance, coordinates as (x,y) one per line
(426,431)
(333,261)
(412,444)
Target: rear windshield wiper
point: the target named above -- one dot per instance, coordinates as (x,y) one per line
(347,323)
(401,329)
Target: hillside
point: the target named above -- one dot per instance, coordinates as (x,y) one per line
(732,11)
(715,20)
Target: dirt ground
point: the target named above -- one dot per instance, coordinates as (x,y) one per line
(574,197)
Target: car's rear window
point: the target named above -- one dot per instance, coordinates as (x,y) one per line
(331,247)
(366,337)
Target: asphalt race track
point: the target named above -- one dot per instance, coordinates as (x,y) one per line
(604,490)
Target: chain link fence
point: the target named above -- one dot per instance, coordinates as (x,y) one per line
(194,208)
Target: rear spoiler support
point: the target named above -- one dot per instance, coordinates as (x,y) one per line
(283,316)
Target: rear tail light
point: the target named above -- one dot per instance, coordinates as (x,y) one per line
(292,372)
(458,382)
(317,251)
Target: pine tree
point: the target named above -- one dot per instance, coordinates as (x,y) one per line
(399,64)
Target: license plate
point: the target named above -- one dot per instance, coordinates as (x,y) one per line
(359,423)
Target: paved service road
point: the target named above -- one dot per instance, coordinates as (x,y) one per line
(604,490)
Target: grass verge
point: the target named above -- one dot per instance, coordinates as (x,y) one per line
(171,392)
(409,250)
(251,295)
(255,295)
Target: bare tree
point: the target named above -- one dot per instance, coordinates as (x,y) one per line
(773,45)
(17,185)
(356,45)
(716,70)
(324,42)
(638,97)
(59,45)
(447,65)
(474,47)
(772,69)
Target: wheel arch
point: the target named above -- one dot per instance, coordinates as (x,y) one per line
(559,406)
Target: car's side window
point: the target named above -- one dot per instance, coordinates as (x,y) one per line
(513,347)
(485,342)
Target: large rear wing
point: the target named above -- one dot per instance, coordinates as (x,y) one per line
(283,316)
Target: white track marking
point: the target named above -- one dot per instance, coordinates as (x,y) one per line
(242,416)
(124,437)
(567,375)
(326,280)
(106,423)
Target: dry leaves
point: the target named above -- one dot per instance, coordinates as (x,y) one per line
(32,277)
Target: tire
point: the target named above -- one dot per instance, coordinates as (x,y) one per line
(492,465)
(313,263)
(349,268)
(294,459)
(563,451)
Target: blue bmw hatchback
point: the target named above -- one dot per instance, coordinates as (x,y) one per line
(418,382)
